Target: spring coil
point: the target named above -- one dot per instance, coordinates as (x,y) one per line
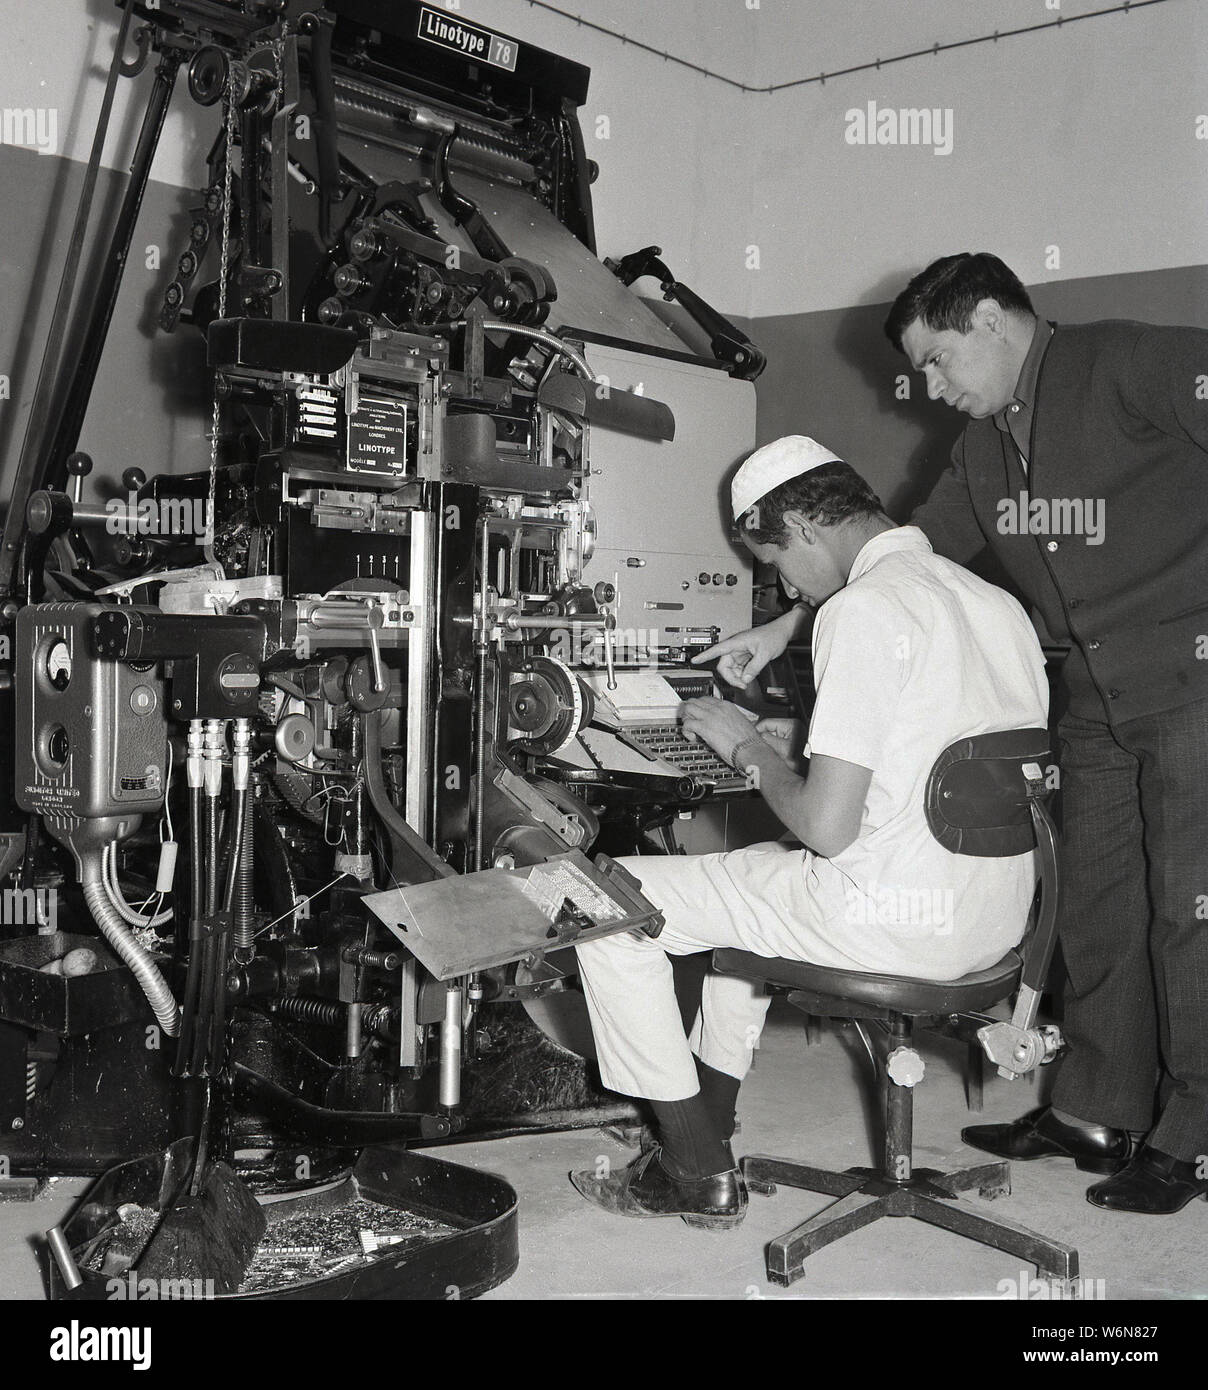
(378,1018)
(307,1009)
(243,906)
(377,960)
(331,1013)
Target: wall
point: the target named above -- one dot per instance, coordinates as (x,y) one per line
(1082,139)
(147,407)
(834,375)
(1091,139)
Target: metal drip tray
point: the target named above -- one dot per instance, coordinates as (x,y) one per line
(455,1230)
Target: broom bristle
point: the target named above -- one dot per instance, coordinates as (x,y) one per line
(213,1236)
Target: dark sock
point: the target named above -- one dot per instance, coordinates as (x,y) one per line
(692,1145)
(719,1091)
(1073,1121)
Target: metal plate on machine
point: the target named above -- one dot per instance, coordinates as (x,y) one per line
(458,925)
(377,433)
(590,296)
(467,40)
(662,507)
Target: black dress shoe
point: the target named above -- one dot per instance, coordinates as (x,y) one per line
(1153,1183)
(1040,1134)
(645,1188)
(648,1139)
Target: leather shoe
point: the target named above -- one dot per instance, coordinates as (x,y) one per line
(648,1140)
(645,1188)
(1153,1183)
(1040,1134)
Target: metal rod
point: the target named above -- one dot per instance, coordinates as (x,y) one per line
(59,1248)
(480,702)
(515,621)
(899,1113)
(352,1031)
(75,397)
(23,484)
(450,1047)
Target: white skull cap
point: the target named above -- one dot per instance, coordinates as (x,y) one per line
(774,464)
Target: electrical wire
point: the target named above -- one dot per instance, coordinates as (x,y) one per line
(867,1041)
(166,819)
(309,898)
(875,65)
(113,891)
(165,834)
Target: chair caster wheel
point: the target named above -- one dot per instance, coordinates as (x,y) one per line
(990,1193)
(765,1189)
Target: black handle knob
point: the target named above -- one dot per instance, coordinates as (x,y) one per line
(79,465)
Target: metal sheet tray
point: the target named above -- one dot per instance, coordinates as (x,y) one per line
(480,1251)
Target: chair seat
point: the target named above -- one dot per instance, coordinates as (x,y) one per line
(898,993)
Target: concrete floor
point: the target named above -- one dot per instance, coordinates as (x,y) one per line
(799,1102)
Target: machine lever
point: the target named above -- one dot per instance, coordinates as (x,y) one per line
(729,344)
(375,620)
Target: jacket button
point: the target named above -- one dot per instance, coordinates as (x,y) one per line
(1052,545)
(1074,602)
(1094,645)
(1113,694)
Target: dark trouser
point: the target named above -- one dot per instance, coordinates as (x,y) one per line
(1133,934)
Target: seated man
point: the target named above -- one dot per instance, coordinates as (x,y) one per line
(911,653)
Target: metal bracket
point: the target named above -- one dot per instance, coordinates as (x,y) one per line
(1017,1051)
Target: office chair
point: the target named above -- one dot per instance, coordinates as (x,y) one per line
(985,796)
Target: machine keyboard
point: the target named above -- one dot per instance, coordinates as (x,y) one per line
(667,741)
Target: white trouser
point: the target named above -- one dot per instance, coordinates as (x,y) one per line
(753,899)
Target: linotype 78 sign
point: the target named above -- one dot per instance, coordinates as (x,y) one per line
(468,39)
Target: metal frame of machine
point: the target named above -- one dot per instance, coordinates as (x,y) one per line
(361,676)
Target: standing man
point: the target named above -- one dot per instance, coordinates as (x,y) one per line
(1085,468)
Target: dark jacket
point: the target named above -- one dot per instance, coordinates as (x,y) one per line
(1120,432)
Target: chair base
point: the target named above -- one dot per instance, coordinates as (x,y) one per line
(865,1195)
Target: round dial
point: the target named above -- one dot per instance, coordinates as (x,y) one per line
(58,665)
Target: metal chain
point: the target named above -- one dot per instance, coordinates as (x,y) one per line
(278,50)
(223,270)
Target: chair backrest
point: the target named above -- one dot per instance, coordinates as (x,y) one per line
(981,790)
(986,797)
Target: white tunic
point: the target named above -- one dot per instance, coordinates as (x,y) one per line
(912,655)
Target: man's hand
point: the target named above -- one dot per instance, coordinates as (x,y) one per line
(718,723)
(786,737)
(741,658)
